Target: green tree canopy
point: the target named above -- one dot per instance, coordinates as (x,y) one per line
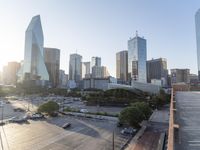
(135,114)
(144,108)
(49,107)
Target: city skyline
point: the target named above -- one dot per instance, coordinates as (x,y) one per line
(78,33)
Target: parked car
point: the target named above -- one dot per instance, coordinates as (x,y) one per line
(18,110)
(84,111)
(36,116)
(66,125)
(128,131)
(17,120)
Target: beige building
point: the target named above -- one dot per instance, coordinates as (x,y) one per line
(10,73)
(122,66)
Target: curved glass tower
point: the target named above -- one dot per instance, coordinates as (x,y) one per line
(33,67)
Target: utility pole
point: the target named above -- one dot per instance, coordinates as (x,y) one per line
(113,141)
(2,114)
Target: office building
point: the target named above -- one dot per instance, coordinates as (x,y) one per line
(137,56)
(157,69)
(86,70)
(99,72)
(75,67)
(52,62)
(197,25)
(10,73)
(104,72)
(180,75)
(96,61)
(122,66)
(63,79)
(34,68)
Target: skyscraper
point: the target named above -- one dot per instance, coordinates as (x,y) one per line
(75,67)
(52,62)
(157,69)
(122,66)
(86,70)
(197,24)
(10,73)
(33,65)
(96,61)
(137,56)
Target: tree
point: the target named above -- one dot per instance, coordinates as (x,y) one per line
(131,116)
(144,108)
(49,107)
(135,114)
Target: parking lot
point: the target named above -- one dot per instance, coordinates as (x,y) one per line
(84,134)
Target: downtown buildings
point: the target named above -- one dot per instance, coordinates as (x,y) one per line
(122,67)
(52,62)
(157,71)
(75,67)
(33,68)
(137,56)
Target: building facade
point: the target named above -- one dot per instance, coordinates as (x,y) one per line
(180,75)
(157,69)
(75,67)
(99,72)
(86,70)
(137,56)
(10,73)
(96,61)
(33,65)
(197,25)
(52,62)
(63,79)
(122,66)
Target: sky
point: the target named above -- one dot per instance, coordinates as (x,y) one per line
(102,28)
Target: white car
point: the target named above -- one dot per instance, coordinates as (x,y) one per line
(84,111)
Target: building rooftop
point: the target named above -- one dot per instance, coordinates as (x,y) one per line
(187,136)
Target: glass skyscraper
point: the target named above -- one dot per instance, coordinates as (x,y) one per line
(75,67)
(197,24)
(137,56)
(33,67)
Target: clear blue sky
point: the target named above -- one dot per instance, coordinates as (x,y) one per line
(102,28)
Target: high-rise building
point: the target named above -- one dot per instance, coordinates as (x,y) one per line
(96,72)
(197,24)
(96,61)
(122,66)
(157,69)
(52,62)
(137,56)
(104,72)
(100,72)
(180,75)
(33,65)
(86,70)
(75,67)
(63,79)
(10,73)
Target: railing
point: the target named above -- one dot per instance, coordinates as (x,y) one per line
(170,145)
